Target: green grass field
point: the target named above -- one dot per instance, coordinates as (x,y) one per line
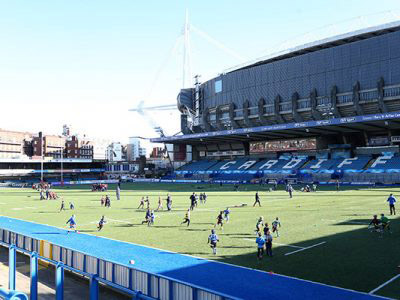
(344,252)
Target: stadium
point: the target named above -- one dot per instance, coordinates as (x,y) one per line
(321,114)
(324,110)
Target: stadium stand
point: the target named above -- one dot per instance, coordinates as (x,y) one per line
(198,165)
(362,168)
(324,111)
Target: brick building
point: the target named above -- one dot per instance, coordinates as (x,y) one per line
(86,149)
(52,145)
(72,147)
(157,152)
(15,145)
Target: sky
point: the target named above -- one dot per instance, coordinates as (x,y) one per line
(86,63)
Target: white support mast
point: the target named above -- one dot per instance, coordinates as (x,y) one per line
(187,65)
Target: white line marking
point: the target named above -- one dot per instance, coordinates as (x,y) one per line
(293,246)
(385,283)
(119,221)
(312,246)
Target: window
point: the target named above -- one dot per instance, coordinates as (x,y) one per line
(218,86)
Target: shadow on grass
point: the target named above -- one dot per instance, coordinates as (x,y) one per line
(195,253)
(237,247)
(237,234)
(249,236)
(347,259)
(165,226)
(355,222)
(193,229)
(357,215)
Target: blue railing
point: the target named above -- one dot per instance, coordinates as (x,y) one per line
(12,295)
(172,288)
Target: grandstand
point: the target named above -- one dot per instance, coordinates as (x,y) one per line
(319,112)
(31,171)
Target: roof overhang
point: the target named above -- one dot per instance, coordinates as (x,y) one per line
(368,123)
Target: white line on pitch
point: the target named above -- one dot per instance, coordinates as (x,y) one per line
(305,248)
(119,221)
(385,283)
(287,245)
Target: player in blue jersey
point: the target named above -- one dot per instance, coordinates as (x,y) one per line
(147,217)
(212,240)
(392,201)
(226,214)
(260,241)
(72,222)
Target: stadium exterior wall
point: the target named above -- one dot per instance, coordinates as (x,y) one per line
(364,61)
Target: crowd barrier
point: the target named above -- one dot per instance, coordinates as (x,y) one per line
(78,182)
(12,295)
(138,284)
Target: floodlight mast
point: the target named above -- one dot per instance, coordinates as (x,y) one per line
(187,63)
(187,78)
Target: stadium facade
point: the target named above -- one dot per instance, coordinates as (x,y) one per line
(338,95)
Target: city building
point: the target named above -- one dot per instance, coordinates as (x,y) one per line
(114,152)
(72,147)
(134,149)
(14,144)
(158,152)
(100,146)
(51,145)
(85,149)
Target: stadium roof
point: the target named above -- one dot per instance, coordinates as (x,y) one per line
(369,123)
(329,42)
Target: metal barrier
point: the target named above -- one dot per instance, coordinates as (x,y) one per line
(136,283)
(12,295)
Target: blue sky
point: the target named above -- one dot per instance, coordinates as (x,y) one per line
(85,63)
